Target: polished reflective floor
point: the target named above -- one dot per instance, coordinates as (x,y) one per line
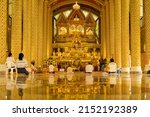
(75,86)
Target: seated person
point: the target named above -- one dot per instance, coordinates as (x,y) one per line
(104,65)
(112,66)
(10,62)
(21,64)
(10,65)
(33,68)
(51,68)
(89,68)
(10,58)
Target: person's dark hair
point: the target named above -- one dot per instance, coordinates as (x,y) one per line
(105,60)
(111,60)
(9,54)
(89,62)
(33,62)
(21,56)
(148,72)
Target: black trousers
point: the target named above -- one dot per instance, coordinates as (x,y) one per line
(22,70)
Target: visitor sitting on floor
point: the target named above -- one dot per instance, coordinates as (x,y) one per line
(21,64)
(112,66)
(104,65)
(89,68)
(10,62)
(33,68)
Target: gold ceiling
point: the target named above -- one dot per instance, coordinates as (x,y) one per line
(95,4)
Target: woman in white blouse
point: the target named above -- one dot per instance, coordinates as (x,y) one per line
(10,62)
(112,66)
(21,64)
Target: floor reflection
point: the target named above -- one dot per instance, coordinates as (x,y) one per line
(77,85)
(21,84)
(9,86)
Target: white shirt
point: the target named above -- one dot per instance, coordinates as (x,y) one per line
(112,67)
(21,63)
(51,68)
(10,59)
(10,62)
(89,68)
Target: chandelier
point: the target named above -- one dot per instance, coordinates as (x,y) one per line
(76,6)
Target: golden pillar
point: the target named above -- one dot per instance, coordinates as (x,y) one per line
(107,31)
(16,40)
(49,32)
(27,6)
(146,7)
(125,36)
(3,31)
(34,28)
(135,36)
(45,27)
(103,35)
(111,8)
(117,13)
(40,29)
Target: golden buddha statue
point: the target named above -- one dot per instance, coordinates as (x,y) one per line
(59,53)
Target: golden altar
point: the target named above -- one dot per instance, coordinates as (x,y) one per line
(75,56)
(76,39)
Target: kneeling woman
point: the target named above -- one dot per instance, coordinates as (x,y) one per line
(21,64)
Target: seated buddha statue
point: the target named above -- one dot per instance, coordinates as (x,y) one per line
(59,53)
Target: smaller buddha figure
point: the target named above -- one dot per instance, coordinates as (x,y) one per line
(54,53)
(59,53)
